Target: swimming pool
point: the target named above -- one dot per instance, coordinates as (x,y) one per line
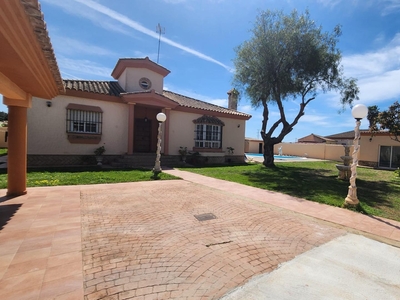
(278,157)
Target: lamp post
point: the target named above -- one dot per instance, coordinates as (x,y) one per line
(161,117)
(359,111)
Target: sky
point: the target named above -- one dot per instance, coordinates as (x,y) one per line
(198,41)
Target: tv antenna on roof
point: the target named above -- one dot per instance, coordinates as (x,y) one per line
(160,30)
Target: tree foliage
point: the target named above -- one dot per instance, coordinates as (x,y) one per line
(289,56)
(386,120)
(3,116)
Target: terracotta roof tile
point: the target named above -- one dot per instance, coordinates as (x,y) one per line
(342,135)
(314,138)
(111,88)
(193,103)
(32,10)
(209,120)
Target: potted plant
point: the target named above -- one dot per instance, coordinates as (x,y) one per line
(183,152)
(99,152)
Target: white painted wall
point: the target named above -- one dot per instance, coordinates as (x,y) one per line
(132,79)
(182,133)
(47,127)
(122,80)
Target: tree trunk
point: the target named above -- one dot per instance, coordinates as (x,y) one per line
(269,155)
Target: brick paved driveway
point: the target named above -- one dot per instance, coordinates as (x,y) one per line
(144,242)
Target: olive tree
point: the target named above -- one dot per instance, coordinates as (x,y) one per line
(289,56)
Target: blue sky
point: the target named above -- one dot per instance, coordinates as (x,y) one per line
(89,36)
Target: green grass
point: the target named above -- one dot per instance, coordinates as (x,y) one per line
(377,190)
(3,151)
(69,176)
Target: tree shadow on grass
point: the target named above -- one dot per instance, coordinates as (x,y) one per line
(318,185)
(375,195)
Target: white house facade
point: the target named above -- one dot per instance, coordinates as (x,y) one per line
(121,116)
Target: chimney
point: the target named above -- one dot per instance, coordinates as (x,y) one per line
(233,98)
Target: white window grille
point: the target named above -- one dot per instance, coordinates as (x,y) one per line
(81,121)
(208,136)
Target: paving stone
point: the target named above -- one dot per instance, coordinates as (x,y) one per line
(150,236)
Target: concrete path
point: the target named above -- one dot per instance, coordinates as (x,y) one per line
(350,267)
(197,238)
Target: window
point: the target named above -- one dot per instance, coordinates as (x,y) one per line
(84,119)
(208,132)
(208,136)
(389,157)
(80,121)
(145,83)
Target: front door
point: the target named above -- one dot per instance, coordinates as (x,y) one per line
(142,135)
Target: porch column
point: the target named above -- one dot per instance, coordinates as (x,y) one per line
(131,125)
(167,112)
(17,145)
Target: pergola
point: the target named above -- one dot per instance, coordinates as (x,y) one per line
(28,68)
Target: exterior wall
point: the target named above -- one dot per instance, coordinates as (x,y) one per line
(369,150)
(3,143)
(252,146)
(319,151)
(133,76)
(122,80)
(182,134)
(368,154)
(47,127)
(345,141)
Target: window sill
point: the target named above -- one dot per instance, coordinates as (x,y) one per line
(83,138)
(215,150)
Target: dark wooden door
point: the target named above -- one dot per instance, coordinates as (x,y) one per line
(142,138)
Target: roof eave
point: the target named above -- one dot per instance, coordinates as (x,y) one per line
(26,46)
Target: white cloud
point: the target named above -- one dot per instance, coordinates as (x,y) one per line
(69,76)
(122,19)
(378,72)
(197,96)
(331,3)
(373,63)
(67,45)
(380,88)
(390,6)
(80,66)
(316,120)
(246,109)
(71,7)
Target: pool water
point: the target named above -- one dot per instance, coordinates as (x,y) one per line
(282,157)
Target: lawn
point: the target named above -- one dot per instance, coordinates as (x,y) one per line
(378,190)
(70,176)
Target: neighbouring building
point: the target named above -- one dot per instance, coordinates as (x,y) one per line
(379,150)
(314,138)
(121,116)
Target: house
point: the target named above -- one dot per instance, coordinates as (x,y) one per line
(344,138)
(121,116)
(28,68)
(376,150)
(253,145)
(379,150)
(313,138)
